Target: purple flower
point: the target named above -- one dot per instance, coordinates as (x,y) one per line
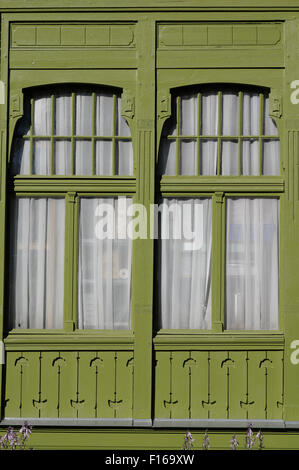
(25,430)
(188,444)
(206,441)
(234,443)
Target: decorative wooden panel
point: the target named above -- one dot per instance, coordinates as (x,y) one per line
(100,35)
(186,35)
(69,384)
(219,384)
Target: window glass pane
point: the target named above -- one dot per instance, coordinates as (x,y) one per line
(103,157)
(252,263)
(271,157)
(83,163)
(41,157)
(21,157)
(84,114)
(188,157)
(209,114)
(79,121)
(208,157)
(62,152)
(229,158)
(270,127)
(104,271)
(167,157)
(122,127)
(251,106)
(241,115)
(63,115)
(37,263)
(123,157)
(250,157)
(184,263)
(104,115)
(188,114)
(230,114)
(42,116)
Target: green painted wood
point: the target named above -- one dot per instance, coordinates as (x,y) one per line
(199,384)
(107,396)
(87,384)
(180,385)
(13,391)
(256,401)
(68,398)
(124,383)
(275,385)
(216,401)
(237,384)
(50,386)
(163,392)
(28,366)
(108,48)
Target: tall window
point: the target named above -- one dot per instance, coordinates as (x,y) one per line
(68,149)
(214,139)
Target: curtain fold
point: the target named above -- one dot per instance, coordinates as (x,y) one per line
(220,116)
(37,263)
(83,126)
(184,276)
(252,263)
(104,269)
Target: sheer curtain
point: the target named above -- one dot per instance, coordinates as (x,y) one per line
(252,263)
(104,270)
(58,119)
(220,117)
(184,274)
(37,263)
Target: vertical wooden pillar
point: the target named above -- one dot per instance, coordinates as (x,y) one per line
(143,263)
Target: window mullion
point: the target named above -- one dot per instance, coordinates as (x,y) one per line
(261,132)
(70,272)
(198,156)
(219,132)
(52,134)
(178,143)
(31,137)
(93,130)
(73,149)
(218,266)
(113,135)
(240,132)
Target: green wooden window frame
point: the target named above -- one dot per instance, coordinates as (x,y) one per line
(218,188)
(219,137)
(73,137)
(72,188)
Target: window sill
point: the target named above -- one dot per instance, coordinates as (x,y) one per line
(59,339)
(180,339)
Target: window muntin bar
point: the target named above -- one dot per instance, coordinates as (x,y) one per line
(74,118)
(251,123)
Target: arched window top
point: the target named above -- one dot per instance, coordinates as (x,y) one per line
(72,132)
(220,132)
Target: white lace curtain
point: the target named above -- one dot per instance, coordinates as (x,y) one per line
(206,149)
(53,119)
(104,272)
(252,263)
(184,270)
(37,263)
